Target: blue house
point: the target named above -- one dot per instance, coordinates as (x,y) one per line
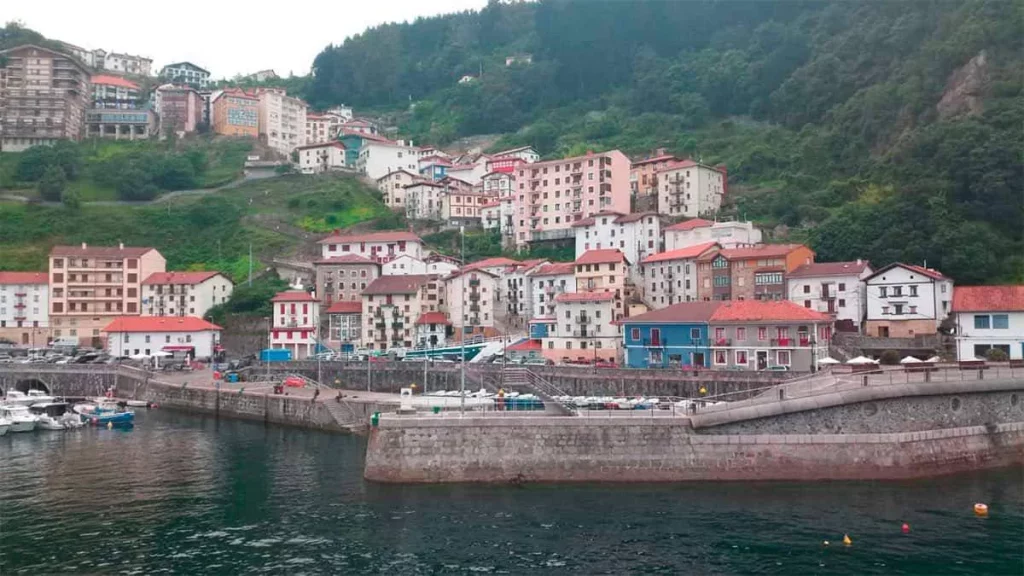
(672,337)
(434,171)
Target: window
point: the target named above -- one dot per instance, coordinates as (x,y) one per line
(1000,321)
(807,303)
(694,333)
(741,334)
(882,291)
(807,289)
(741,357)
(897,309)
(782,357)
(762,333)
(721,357)
(568,345)
(551,344)
(719,333)
(634,334)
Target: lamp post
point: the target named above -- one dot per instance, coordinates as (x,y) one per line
(462,340)
(269,344)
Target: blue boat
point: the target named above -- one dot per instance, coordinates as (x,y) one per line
(112,418)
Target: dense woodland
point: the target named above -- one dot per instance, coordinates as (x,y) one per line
(886,130)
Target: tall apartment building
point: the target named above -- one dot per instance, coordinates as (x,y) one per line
(604,271)
(180,108)
(43,97)
(581,329)
(343,278)
(92,285)
(636,235)
(296,322)
(756,273)
(282,121)
(392,303)
(551,196)
(186,73)
(690,189)
(547,282)
(184,293)
(423,200)
(236,113)
(643,174)
(471,299)
(118,111)
(24,307)
(671,277)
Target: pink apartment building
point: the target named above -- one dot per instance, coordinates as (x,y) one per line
(551,195)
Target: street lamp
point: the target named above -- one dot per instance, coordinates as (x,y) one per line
(462,340)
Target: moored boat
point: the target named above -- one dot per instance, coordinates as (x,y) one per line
(20,418)
(5,425)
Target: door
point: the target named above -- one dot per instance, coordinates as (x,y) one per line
(698,359)
(24,337)
(762,359)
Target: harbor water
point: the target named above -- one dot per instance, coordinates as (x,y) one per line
(188,495)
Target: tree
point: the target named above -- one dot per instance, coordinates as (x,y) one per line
(52,183)
(889,358)
(996,355)
(71,199)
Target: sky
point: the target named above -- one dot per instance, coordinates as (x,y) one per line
(226,37)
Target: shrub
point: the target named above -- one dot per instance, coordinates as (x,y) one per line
(52,184)
(293,203)
(889,358)
(71,199)
(996,355)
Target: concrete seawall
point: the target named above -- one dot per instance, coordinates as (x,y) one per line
(904,431)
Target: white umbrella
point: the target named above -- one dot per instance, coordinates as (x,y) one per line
(829,361)
(162,354)
(139,356)
(861,360)
(910,360)
(933,359)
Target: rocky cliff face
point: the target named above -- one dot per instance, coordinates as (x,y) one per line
(965,89)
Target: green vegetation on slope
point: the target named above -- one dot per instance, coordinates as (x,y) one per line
(487,244)
(889,131)
(211,231)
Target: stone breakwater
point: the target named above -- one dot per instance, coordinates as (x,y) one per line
(907,431)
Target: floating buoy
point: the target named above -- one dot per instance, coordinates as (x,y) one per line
(110,425)
(825,543)
(981,509)
(846,540)
(906,528)
(703,390)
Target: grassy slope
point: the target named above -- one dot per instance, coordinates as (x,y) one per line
(213,232)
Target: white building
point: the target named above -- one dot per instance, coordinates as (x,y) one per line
(517,297)
(282,120)
(548,281)
(423,200)
(344,324)
(147,335)
(490,215)
(323,157)
(525,153)
(341,111)
(635,235)
(24,307)
(380,247)
(380,157)
(581,329)
(690,189)
(471,297)
(403,265)
(835,288)
(671,277)
(989,317)
(184,293)
(904,300)
(432,330)
(729,235)
(126,64)
(393,184)
(186,73)
(441,265)
(296,322)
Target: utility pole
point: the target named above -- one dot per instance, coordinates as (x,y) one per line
(250,263)
(462,282)
(267,361)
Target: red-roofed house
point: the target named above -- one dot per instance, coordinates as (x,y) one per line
(581,329)
(905,300)
(636,235)
(516,296)
(836,288)
(690,189)
(184,293)
(147,335)
(344,325)
(643,179)
(989,317)
(117,111)
(671,277)
(432,330)
(473,295)
(547,281)
(391,304)
(296,322)
(526,350)
(758,272)
(604,270)
(758,335)
(344,277)
(24,307)
(729,234)
(377,246)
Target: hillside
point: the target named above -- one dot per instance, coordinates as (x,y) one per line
(280,217)
(890,131)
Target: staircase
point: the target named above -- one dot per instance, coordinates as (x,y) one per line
(525,378)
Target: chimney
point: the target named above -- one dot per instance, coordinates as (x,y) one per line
(120,245)
(659,152)
(83,246)
(859,262)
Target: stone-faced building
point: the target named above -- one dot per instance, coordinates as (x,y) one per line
(755,273)
(343,278)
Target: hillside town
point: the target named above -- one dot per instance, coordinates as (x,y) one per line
(659,280)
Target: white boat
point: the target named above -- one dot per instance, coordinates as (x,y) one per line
(21,419)
(5,425)
(55,416)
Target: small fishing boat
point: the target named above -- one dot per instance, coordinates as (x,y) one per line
(55,416)
(18,415)
(126,418)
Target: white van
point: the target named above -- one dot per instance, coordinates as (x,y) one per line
(65,342)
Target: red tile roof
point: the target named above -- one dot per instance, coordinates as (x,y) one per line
(759,251)
(410,173)
(109,80)
(433,318)
(511,151)
(603,256)
(926,272)
(345,259)
(555,268)
(365,136)
(100,251)
(346,307)
(159,324)
(988,298)
(766,311)
(682,312)
(24,278)
(391,236)
(592,219)
(179,277)
(688,252)
(584,297)
(524,346)
(489,263)
(655,159)
(293,296)
(691,224)
(409,284)
(830,269)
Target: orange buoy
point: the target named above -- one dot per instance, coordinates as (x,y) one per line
(846,540)
(981,509)
(906,528)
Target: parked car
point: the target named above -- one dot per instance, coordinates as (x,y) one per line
(6,359)
(605,364)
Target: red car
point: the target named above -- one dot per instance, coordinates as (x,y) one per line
(294,382)
(605,364)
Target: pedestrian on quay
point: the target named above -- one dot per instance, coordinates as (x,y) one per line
(315,394)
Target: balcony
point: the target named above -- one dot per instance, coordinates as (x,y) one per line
(583,319)
(474,296)
(474,282)
(723,342)
(19,305)
(22,317)
(655,342)
(474,307)
(783,342)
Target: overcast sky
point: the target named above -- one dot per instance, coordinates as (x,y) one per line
(226,37)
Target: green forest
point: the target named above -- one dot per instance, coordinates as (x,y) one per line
(884,130)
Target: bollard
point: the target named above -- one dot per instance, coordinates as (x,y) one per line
(927,375)
(865,377)
(782,393)
(981,373)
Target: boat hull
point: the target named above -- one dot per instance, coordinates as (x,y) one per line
(23,426)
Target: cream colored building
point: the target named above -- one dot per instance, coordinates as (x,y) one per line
(393,186)
(391,306)
(24,308)
(322,157)
(690,189)
(424,200)
(282,120)
(604,271)
(671,277)
(184,293)
(581,329)
(471,298)
(92,285)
